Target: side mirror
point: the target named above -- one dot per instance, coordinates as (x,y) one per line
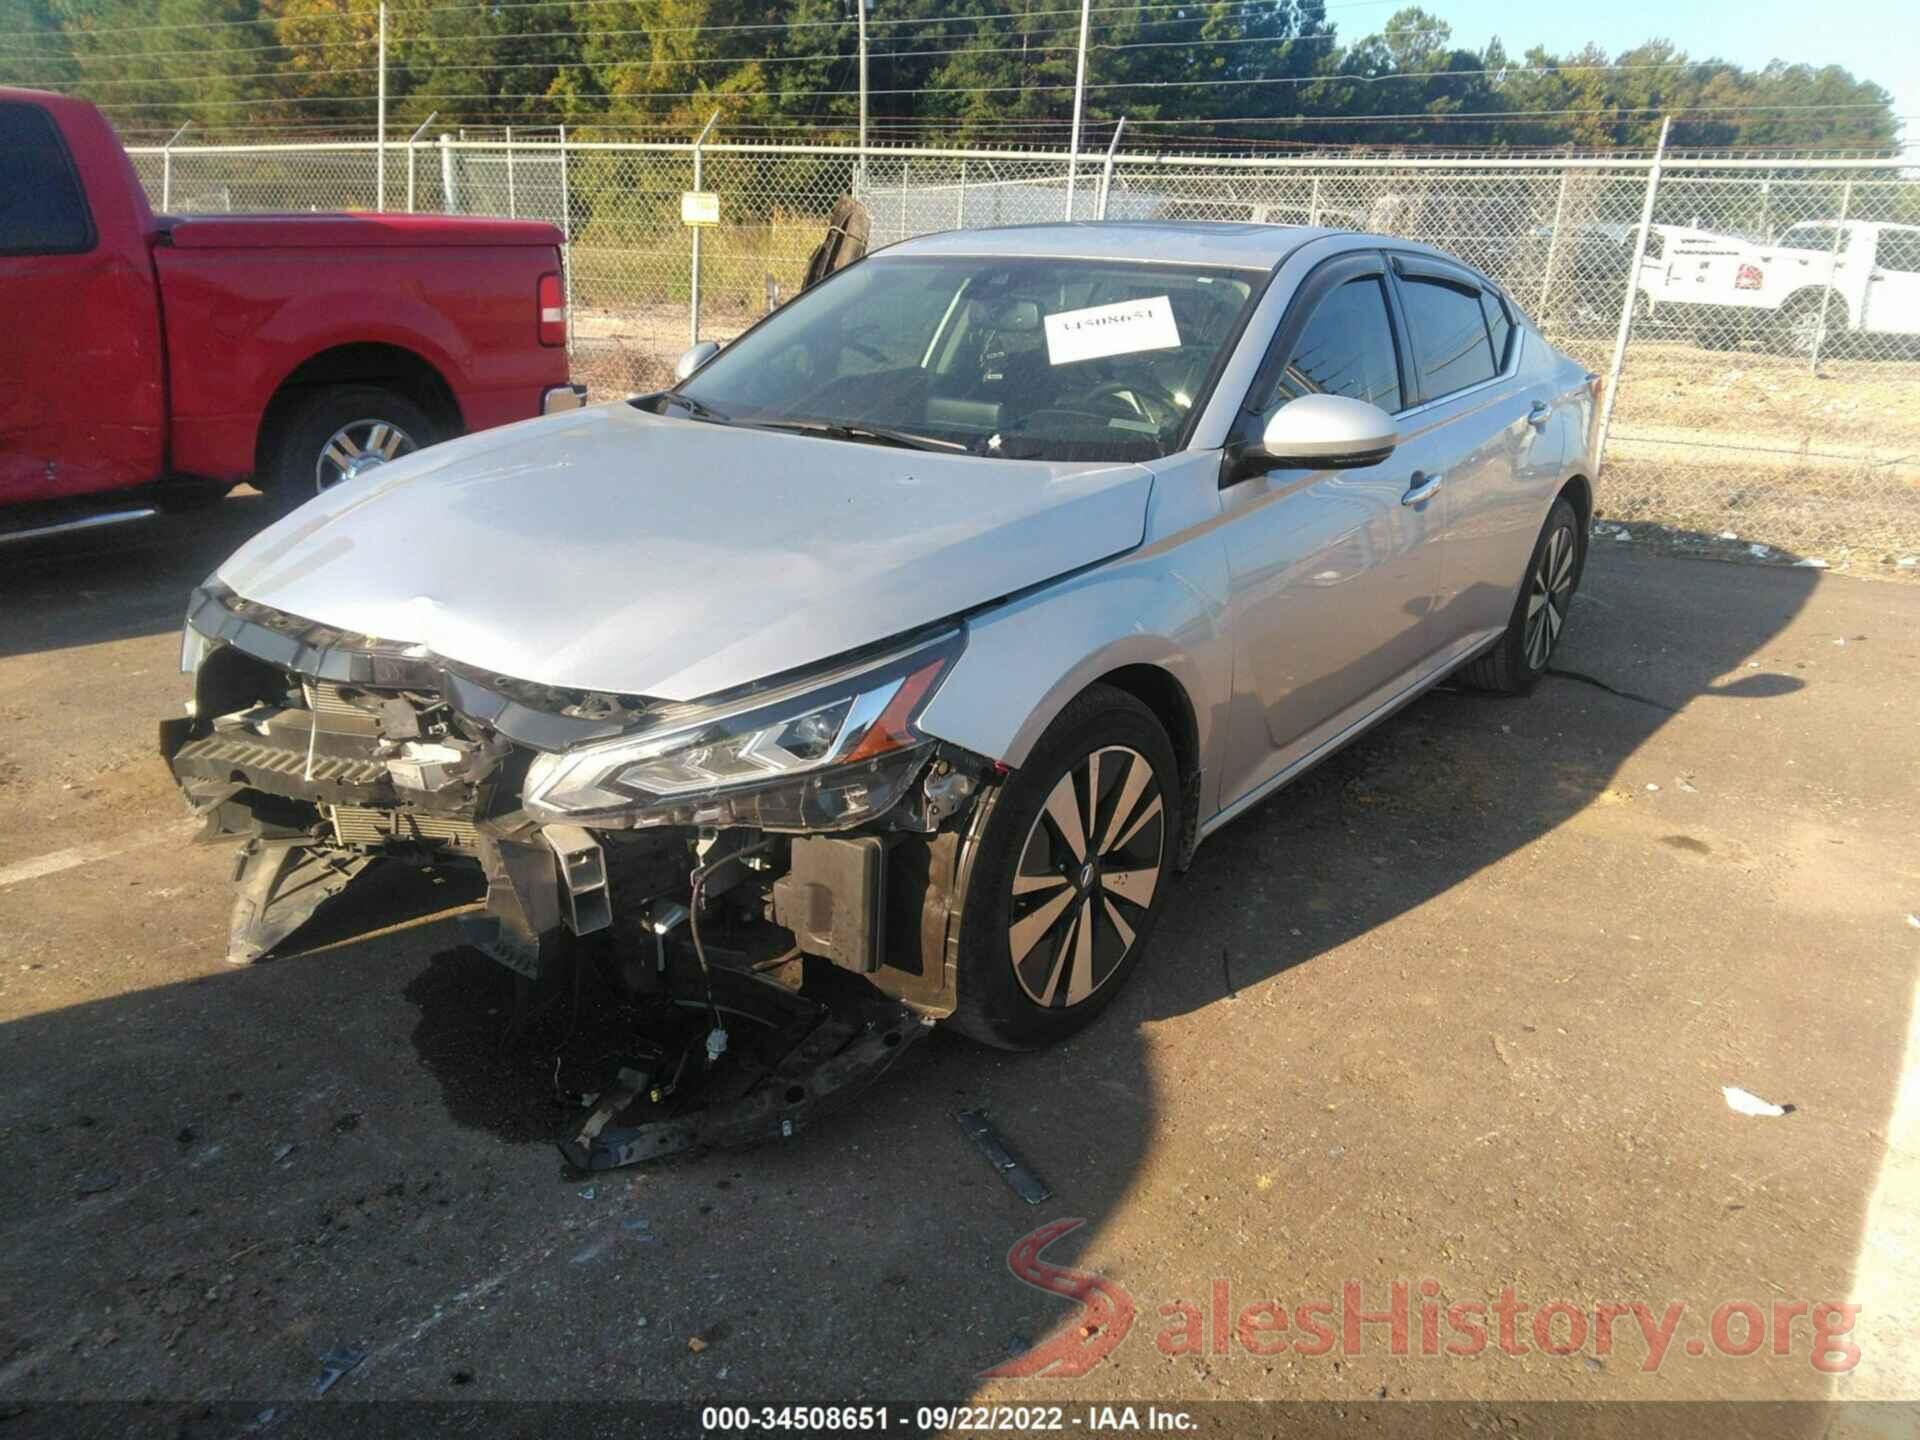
(694,357)
(1327,432)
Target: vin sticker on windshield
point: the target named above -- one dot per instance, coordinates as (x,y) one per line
(1102,330)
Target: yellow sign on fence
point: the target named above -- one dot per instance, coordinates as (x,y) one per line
(699,207)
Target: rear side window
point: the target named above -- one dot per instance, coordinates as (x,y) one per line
(1451,349)
(1346,349)
(1900,250)
(42,211)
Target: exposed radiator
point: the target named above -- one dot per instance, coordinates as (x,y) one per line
(364,825)
(324,698)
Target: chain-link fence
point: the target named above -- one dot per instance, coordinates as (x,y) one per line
(1766,392)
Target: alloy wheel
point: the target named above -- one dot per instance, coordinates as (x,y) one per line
(1087,876)
(357,447)
(1547,595)
(1805,329)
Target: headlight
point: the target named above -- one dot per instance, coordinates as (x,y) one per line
(823,753)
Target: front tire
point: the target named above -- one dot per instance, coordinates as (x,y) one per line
(1514,665)
(1072,872)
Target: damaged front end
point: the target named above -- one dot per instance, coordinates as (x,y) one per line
(719,859)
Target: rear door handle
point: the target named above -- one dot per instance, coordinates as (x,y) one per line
(1538,414)
(1423,487)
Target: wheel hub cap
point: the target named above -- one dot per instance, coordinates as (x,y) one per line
(1086,877)
(1548,592)
(358,447)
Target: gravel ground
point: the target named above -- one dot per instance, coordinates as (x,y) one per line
(1456,1010)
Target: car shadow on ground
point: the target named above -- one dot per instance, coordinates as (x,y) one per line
(209,1182)
(92,587)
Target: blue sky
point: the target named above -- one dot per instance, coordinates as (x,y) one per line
(1878,40)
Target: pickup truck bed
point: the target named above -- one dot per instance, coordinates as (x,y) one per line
(154,358)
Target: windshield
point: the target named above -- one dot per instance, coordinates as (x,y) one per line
(1046,359)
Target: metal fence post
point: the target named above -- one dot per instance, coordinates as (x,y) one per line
(1106,174)
(166,169)
(380,148)
(904,172)
(513,212)
(566,237)
(1553,244)
(413,140)
(1626,302)
(1313,203)
(449,194)
(960,205)
(1833,264)
(693,305)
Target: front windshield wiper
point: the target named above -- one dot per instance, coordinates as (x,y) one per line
(863,434)
(698,409)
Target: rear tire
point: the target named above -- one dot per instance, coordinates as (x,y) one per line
(343,423)
(1062,899)
(1800,326)
(1514,665)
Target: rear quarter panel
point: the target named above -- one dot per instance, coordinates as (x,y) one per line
(241,320)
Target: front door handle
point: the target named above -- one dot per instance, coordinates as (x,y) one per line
(1538,414)
(1422,487)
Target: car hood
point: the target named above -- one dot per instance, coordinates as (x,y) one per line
(611,549)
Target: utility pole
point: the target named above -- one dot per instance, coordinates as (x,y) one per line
(380,184)
(860,12)
(1079,106)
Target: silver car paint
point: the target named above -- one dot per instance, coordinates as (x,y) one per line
(610,549)
(1311,603)
(1293,609)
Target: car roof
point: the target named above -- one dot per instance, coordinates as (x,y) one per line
(1192,242)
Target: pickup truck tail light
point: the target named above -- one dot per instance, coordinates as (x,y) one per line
(1749,277)
(553,310)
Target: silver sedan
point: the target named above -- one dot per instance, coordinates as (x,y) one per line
(916,638)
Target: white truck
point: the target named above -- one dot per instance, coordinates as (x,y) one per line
(1856,278)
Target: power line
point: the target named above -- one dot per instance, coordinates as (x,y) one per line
(782,25)
(86,57)
(1331,80)
(200,75)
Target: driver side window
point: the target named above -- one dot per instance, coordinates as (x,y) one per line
(1346,349)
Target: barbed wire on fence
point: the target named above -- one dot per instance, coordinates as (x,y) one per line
(1769,390)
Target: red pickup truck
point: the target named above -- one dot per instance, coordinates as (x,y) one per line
(156,361)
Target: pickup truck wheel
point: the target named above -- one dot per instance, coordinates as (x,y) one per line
(343,432)
(1074,867)
(1800,326)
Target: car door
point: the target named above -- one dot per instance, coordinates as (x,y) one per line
(1498,441)
(1334,572)
(1893,284)
(81,401)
